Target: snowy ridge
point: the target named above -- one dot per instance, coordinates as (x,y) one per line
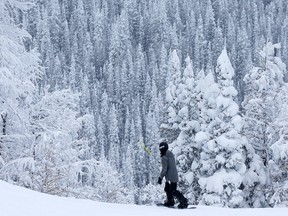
(17,201)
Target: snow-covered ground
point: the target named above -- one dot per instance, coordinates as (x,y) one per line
(17,201)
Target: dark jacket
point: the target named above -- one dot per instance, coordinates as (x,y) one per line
(169,167)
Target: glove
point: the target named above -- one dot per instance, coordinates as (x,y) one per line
(159,181)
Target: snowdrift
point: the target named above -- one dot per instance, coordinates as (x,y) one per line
(17,201)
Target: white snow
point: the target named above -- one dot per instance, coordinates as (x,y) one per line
(280,149)
(225,66)
(189,177)
(268,50)
(201,136)
(17,201)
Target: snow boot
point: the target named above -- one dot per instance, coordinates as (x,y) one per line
(183,204)
(169,203)
(182,200)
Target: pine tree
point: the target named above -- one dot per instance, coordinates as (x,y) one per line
(159,26)
(222,156)
(230,39)
(135,21)
(209,22)
(140,172)
(262,86)
(113,139)
(243,60)
(199,45)
(170,129)
(188,34)
(104,110)
(185,148)
(261,109)
(255,37)
(217,44)
(152,136)
(128,164)
(130,160)
(100,142)
(161,79)
(139,75)
(278,162)
(284,40)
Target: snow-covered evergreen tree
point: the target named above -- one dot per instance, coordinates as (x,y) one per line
(152,137)
(170,129)
(272,94)
(113,139)
(262,86)
(184,147)
(278,162)
(222,156)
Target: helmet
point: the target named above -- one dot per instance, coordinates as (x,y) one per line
(163,147)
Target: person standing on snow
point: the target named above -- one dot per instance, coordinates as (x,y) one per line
(169,171)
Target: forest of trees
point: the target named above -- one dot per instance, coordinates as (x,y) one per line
(88,89)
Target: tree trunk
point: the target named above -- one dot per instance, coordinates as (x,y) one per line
(4,124)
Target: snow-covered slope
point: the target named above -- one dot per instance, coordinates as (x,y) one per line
(17,201)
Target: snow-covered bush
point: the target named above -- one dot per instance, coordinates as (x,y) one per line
(56,124)
(152,194)
(104,182)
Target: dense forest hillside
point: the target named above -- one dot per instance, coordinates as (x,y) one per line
(88,89)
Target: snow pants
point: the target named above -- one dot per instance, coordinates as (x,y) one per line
(172,192)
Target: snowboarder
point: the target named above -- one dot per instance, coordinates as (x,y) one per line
(170,173)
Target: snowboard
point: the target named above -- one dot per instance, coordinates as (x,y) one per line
(175,206)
